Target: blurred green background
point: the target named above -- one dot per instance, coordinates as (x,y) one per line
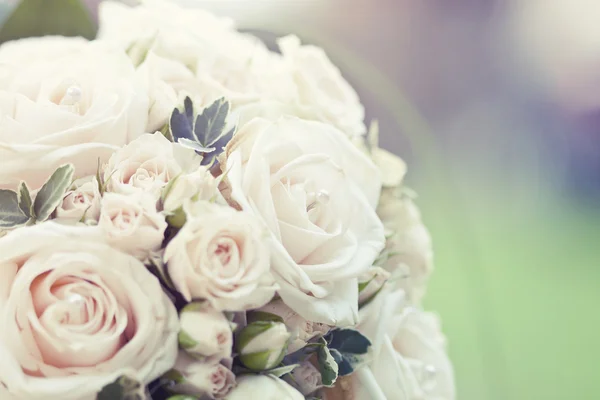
(501,130)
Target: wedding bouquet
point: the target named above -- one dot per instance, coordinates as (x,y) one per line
(185,214)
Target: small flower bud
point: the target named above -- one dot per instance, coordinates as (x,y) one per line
(262,344)
(205,331)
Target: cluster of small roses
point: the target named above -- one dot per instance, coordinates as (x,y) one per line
(185,214)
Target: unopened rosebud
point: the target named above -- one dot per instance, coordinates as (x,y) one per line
(370,283)
(199,185)
(301,329)
(262,344)
(205,331)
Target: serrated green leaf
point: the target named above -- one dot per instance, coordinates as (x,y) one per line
(11,214)
(327,366)
(25,202)
(210,124)
(51,194)
(348,341)
(34,18)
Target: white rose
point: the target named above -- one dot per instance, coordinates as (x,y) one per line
(206,331)
(302,330)
(188,50)
(264,387)
(203,377)
(81,203)
(316,192)
(77,314)
(147,164)
(409,243)
(132,224)
(321,87)
(221,255)
(409,351)
(199,185)
(64,100)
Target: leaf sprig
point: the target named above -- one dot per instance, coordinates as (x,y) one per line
(18,208)
(204,132)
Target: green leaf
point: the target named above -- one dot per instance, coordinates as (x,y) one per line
(281,371)
(25,203)
(204,133)
(51,194)
(348,341)
(123,388)
(210,124)
(255,316)
(327,366)
(11,214)
(48,17)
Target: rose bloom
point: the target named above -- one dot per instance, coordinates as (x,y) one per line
(317,193)
(77,314)
(409,243)
(147,164)
(203,377)
(188,50)
(409,359)
(221,255)
(321,87)
(64,100)
(132,224)
(81,202)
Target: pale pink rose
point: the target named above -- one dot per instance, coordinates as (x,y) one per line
(132,224)
(81,203)
(77,314)
(64,100)
(264,387)
(208,331)
(221,255)
(301,329)
(409,357)
(307,378)
(203,377)
(147,164)
(316,192)
(321,87)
